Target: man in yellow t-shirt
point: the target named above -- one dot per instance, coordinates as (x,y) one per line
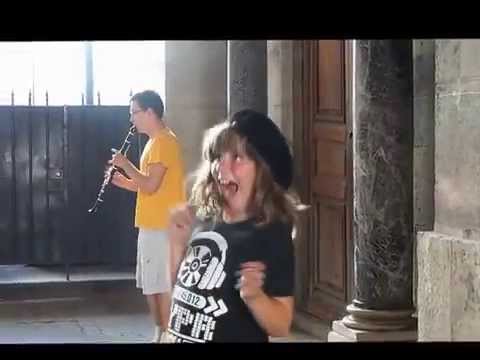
(159,184)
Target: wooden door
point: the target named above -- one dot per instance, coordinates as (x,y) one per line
(328,168)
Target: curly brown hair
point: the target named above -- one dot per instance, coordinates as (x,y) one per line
(270,201)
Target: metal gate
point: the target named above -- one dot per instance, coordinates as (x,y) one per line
(51,167)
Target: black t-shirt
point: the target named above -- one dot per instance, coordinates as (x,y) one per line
(206,307)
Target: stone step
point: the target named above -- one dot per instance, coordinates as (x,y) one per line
(311,326)
(28,290)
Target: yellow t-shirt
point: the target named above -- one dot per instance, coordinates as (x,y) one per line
(152,210)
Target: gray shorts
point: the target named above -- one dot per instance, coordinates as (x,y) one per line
(153,272)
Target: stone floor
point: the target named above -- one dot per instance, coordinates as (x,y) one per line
(88,309)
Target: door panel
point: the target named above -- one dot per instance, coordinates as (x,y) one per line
(326,135)
(52,163)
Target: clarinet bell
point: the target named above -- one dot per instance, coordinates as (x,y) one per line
(94,208)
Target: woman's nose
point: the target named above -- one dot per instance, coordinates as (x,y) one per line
(224,165)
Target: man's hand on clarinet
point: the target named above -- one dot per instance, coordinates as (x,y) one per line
(119,160)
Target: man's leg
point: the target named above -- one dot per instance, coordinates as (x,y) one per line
(155,313)
(159,305)
(164,306)
(156,278)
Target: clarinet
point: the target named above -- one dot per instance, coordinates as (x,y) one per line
(112,169)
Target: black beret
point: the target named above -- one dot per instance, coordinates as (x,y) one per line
(269,142)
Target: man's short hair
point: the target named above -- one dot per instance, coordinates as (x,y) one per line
(149,99)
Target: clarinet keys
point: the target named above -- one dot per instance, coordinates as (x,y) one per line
(111,170)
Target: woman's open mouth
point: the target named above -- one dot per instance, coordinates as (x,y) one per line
(228,187)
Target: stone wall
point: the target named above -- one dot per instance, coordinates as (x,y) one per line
(449,256)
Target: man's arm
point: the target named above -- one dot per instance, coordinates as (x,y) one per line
(148,182)
(124,183)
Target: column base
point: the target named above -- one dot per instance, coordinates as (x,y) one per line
(378,320)
(341,333)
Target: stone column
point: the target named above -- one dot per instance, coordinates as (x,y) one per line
(280,85)
(195,91)
(247,75)
(383,194)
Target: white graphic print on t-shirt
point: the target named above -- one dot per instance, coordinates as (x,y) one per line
(202,269)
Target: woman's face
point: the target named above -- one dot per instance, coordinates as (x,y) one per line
(235,174)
